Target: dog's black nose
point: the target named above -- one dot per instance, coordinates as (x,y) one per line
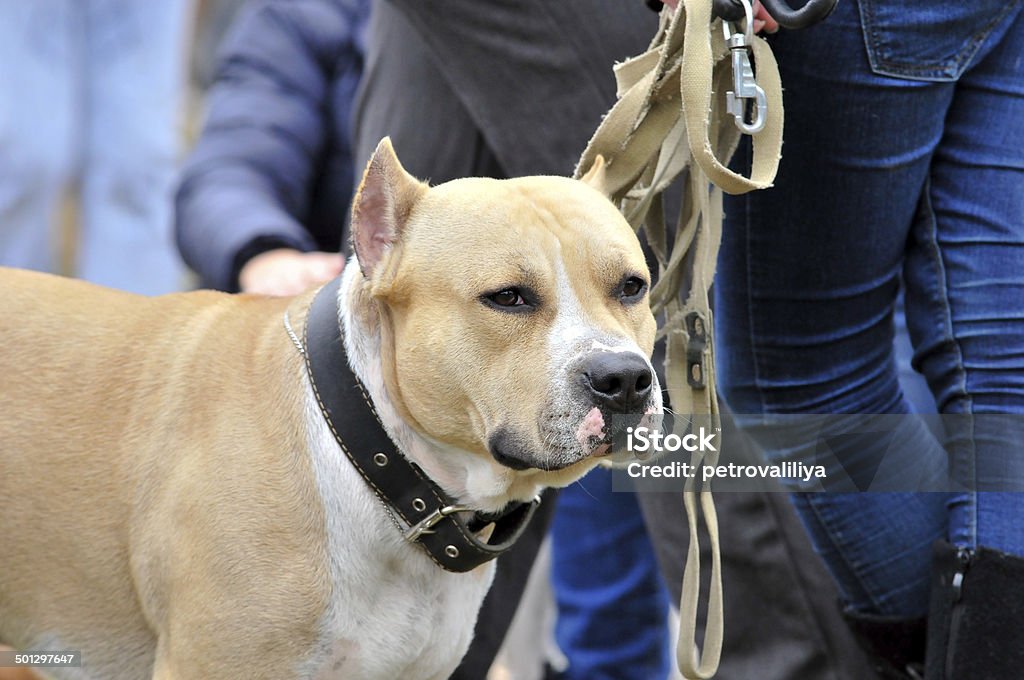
(619,380)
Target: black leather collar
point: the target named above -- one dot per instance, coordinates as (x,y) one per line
(445,529)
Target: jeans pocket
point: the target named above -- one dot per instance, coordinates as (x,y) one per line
(932,40)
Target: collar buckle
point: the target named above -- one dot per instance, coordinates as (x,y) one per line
(425,525)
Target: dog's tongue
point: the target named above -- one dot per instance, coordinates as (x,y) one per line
(592,427)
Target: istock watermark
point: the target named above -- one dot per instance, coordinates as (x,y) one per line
(844,453)
(678,470)
(650,440)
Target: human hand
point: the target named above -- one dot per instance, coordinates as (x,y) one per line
(284,271)
(762,20)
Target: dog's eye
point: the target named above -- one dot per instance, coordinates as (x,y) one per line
(632,289)
(512,299)
(509,297)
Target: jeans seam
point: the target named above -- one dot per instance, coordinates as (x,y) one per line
(942,278)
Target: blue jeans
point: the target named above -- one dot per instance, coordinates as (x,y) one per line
(91,91)
(612,605)
(904,156)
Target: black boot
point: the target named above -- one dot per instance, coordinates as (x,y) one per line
(894,646)
(976,615)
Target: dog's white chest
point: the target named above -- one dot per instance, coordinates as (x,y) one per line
(415,630)
(392,612)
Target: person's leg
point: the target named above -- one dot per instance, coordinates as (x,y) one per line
(966,313)
(612,604)
(808,275)
(39,53)
(965,298)
(136,91)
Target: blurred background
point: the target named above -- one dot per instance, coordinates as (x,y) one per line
(100,101)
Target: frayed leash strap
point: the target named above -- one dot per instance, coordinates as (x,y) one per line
(670,122)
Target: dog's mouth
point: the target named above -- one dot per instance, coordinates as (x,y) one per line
(598,435)
(515,453)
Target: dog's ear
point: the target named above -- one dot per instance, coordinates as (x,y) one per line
(381,206)
(596,175)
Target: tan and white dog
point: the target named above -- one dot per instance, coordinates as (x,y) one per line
(172,503)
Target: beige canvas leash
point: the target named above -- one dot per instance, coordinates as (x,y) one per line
(671,123)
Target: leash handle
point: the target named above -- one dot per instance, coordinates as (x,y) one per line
(811,13)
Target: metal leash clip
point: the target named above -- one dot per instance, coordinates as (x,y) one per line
(744,85)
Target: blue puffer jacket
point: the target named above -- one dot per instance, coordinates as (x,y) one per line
(273,166)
